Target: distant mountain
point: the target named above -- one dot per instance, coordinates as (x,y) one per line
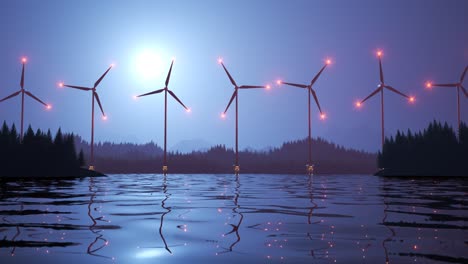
(189,146)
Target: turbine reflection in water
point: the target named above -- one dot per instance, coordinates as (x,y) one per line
(168,210)
(310,188)
(99,242)
(236,212)
(384,220)
(235,228)
(271,217)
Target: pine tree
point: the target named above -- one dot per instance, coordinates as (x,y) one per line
(58,137)
(49,136)
(81,159)
(14,138)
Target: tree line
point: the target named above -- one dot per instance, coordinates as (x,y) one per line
(289,158)
(434,151)
(42,154)
(129,151)
(39,154)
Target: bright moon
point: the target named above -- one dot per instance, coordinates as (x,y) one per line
(148,65)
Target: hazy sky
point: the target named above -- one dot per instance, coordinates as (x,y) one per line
(260,41)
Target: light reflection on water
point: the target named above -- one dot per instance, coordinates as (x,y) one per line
(228,218)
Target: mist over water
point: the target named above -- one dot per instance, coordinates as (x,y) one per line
(226,218)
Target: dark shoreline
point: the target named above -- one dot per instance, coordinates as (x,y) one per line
(421,174)
(85,173)
(81,173)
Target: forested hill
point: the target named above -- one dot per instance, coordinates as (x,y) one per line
(291,157)
(129,151)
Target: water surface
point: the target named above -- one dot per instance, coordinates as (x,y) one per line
(230,219)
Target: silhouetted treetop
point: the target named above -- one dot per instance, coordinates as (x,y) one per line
(434,151)
(37,155)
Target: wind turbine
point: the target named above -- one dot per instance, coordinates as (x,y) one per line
(94,96)
(459,87)
(23,91)
(310,90)
(380,88)
(166,90)
(234,96)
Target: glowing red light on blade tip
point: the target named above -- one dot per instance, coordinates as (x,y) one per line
(220,60)
(379,53)
(24,59)
(328,61)
(223,115)
(428,84)
(60,84)
(279,82)
(49,106)
(268,86)
(104,117)
(412,99)
(323,116)
(188,110)
(358,104)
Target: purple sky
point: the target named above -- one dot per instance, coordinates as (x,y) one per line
(260,42)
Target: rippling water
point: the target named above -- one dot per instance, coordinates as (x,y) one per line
(229,219)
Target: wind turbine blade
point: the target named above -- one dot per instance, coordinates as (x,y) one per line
(229,75)
(178,100)
(251,86)
(169,74)
(316,99)
(22,78)
(35,98)
(463,74)
(295,84)
(10,96)
(445,85)
(99,102)
(396,91)
(381,71)
(372,94)
(464,91)
(78,87)
(102,77)
(153,92)
(230,101)
(318,75)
